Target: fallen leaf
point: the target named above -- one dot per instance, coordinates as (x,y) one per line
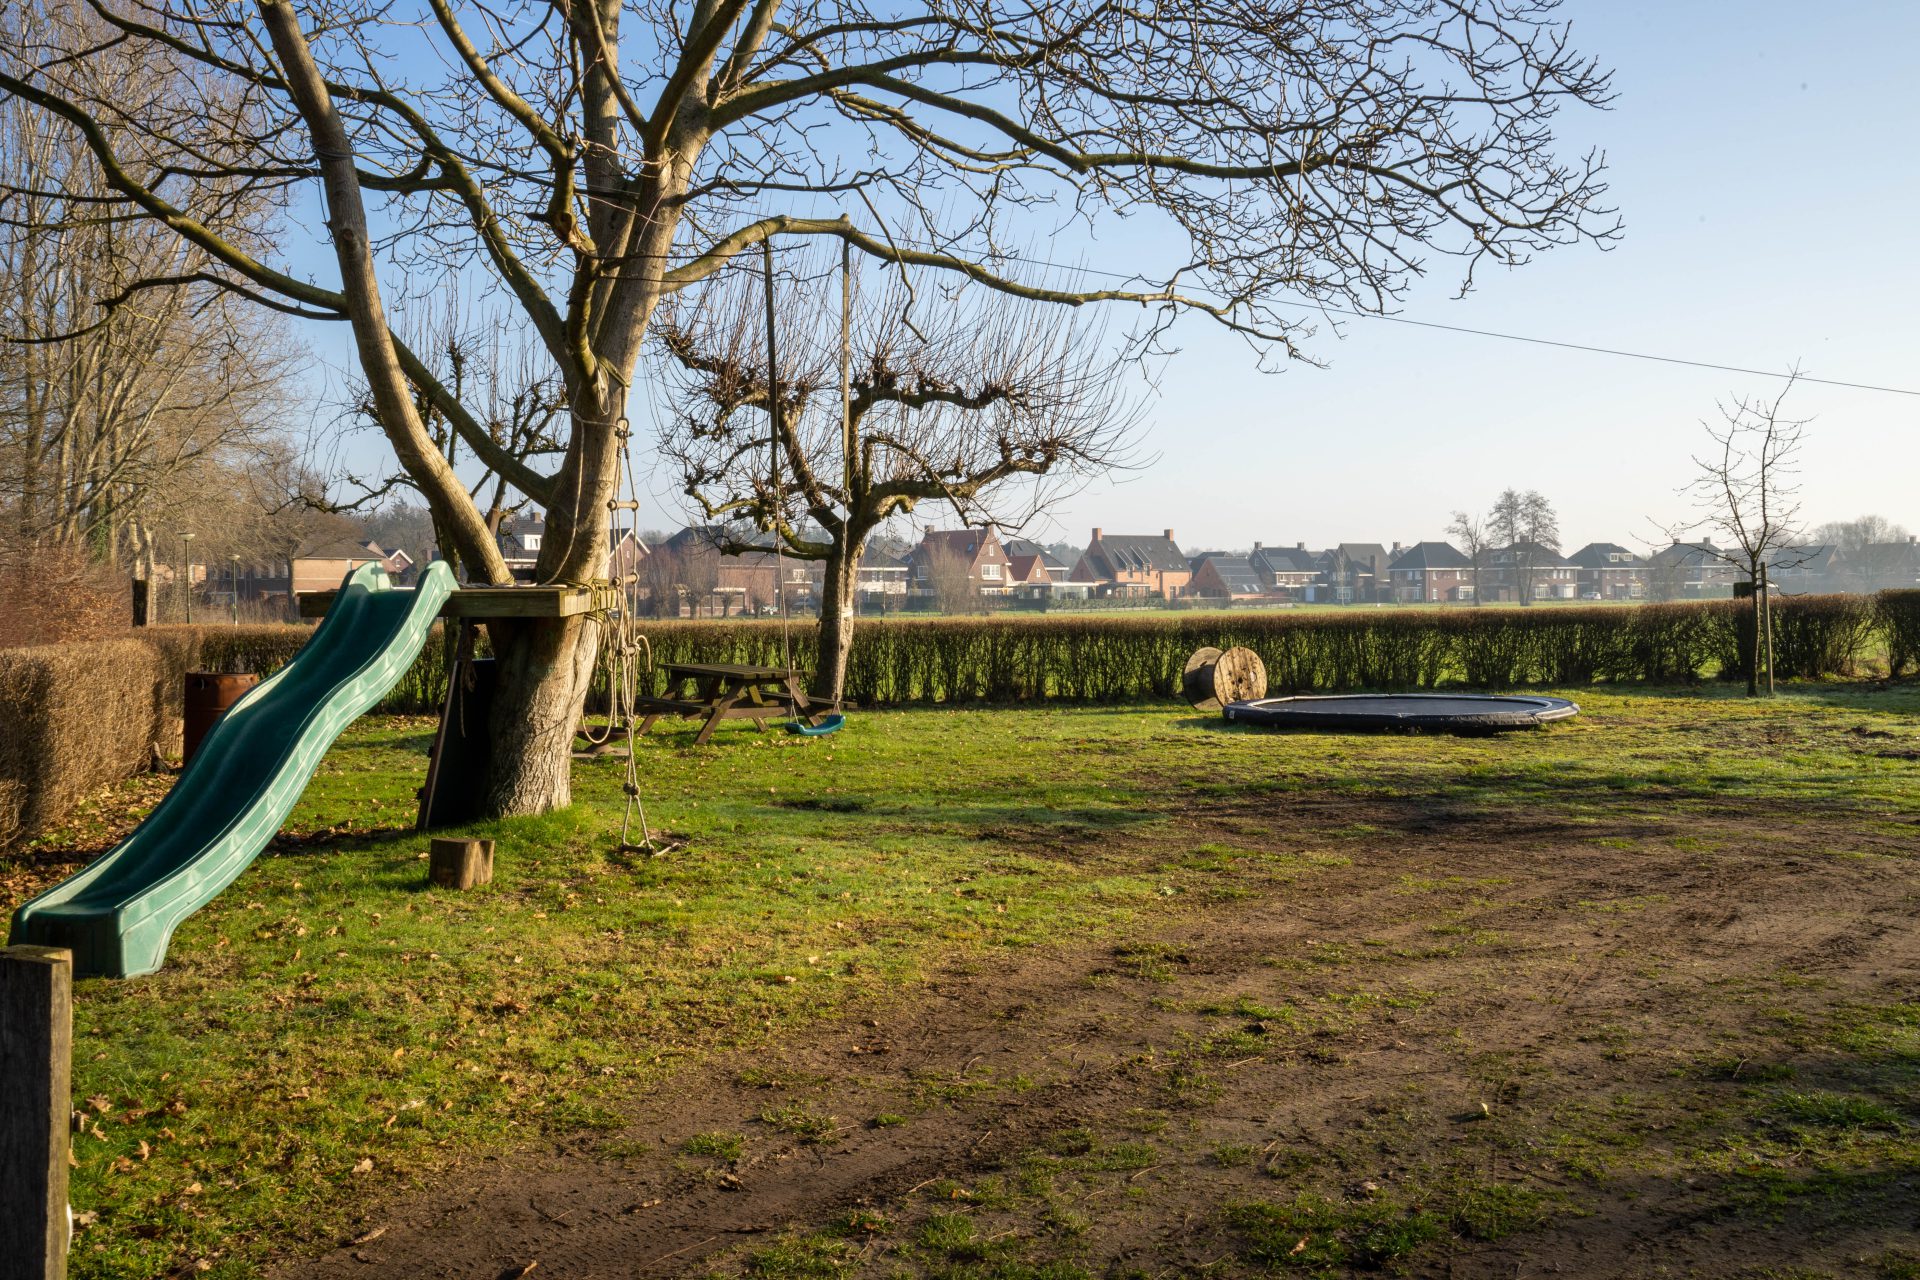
(365,1165)
(1299,1247)
(368,1237)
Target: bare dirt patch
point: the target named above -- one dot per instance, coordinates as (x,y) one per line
(1404,1035)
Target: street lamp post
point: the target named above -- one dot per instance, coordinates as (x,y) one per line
(186,572)
(235,557)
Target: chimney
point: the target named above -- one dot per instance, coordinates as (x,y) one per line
(1396,548)
(1299,546)
(1096,533)
(1169,534)
(1256,546)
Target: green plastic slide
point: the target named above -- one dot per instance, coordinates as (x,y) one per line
(119,913)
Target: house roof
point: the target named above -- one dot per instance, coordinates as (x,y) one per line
(1027,568)
(1282,559)
(1690,553)
(1028,547)
(1429,555)
(957,542)
(878,558)
(1139,552)
(1236,573)
(721,535)
(1538,555)
(1370,554)
(338,548)
(1599,555)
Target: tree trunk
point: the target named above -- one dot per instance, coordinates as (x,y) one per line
(1753,648)
(545,667)
(1766,622)
(836,624)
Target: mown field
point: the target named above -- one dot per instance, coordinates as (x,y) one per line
(1133,989)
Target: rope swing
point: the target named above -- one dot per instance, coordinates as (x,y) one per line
(776,417)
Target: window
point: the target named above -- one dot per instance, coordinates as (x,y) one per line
(990,571)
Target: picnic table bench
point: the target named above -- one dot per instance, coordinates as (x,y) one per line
(727,691)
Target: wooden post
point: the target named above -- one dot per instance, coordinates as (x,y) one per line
(460,864)
(36,1051)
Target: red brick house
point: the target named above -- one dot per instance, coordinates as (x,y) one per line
(1134,564)
(1430,573)
(1286,570)
(1608,571)
(1220,576)
(989,568)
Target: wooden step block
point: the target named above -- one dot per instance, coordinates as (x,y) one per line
(460,864)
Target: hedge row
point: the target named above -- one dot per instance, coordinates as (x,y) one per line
(1110,659)
(76,716)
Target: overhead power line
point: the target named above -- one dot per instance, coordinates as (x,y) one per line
(1474,332)
(1511,337)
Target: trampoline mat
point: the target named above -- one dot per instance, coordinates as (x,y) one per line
(1460,712)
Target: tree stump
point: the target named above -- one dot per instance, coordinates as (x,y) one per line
(1213,678)
(460,864)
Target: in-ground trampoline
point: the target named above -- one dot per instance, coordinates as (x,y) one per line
(1408,712)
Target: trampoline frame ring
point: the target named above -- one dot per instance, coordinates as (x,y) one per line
(1372,711)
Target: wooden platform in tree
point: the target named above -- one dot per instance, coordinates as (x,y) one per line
(499,602)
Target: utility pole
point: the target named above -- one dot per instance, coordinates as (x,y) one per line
(235,557)
(186,572)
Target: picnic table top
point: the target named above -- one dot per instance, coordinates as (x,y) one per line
(729,670)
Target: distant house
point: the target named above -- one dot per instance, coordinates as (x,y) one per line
(1608,571)
(1353,573)
(320,566)
(1288,571)
(1528,571)
(729,570)
(1690,571)
(979,550)
(1887,566)
(521,540)
(1217,575)
(1430,573)
(1134,564)
(1028,574)
(1057,570)
(881,573)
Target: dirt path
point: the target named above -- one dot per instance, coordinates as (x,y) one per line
(1459,1047)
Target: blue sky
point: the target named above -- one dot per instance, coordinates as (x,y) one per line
(1759,154)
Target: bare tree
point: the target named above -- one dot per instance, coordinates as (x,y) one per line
(950,579)
(1859,565)
(1746,495)
(986,405)
(123,425)
(1471,533)
(1527,525)
(588,159)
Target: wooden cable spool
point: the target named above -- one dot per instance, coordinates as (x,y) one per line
(1213,678)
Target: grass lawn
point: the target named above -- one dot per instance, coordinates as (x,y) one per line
(330,1035)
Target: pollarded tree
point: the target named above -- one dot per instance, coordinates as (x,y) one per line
(587,159)
(981,403)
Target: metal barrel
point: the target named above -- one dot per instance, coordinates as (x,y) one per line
(207,697)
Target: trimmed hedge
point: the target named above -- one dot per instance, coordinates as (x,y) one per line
(1896,615)
(74,717)
(1114,659)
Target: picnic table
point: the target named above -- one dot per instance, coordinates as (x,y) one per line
(727,691)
